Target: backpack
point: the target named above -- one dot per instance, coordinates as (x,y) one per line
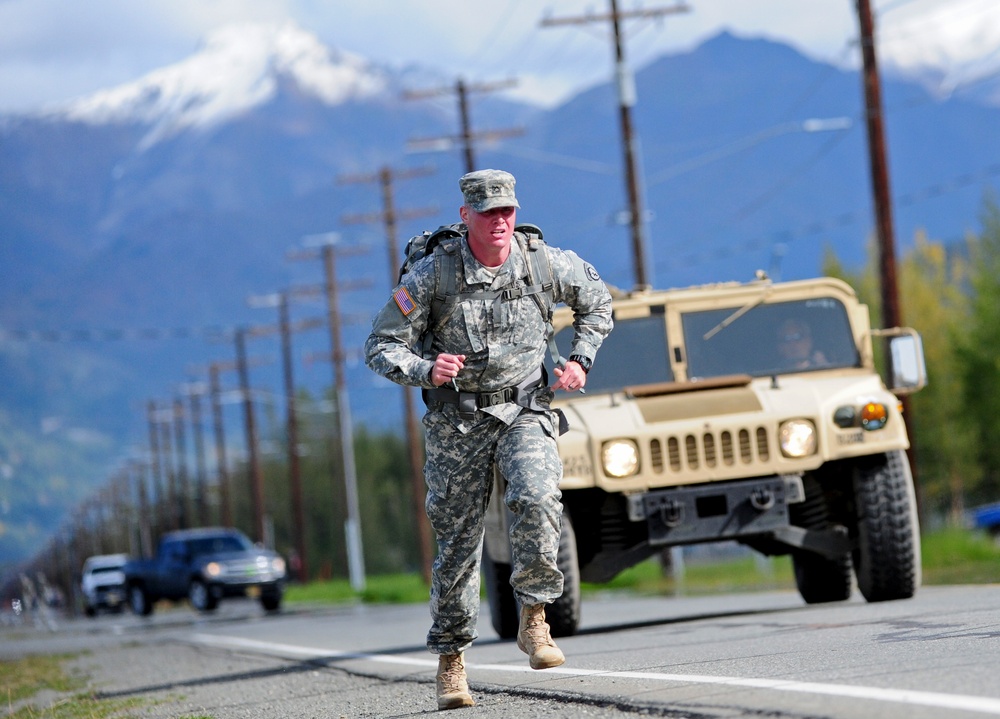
(444,242)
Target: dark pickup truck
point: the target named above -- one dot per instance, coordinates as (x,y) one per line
(204,566)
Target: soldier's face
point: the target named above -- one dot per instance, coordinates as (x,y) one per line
(490,230)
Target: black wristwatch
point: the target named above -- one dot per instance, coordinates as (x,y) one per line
(582,361)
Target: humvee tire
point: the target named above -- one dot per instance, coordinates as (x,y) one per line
(887,557)
(821,580)
(563,615)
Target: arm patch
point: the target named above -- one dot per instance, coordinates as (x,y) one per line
(404,301)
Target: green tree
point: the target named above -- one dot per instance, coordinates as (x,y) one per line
(979,357)
(935,302)
(933,289)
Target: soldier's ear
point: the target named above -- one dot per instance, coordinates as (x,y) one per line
(463,212)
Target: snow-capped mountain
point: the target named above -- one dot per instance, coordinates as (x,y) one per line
(950,48)
(238,68)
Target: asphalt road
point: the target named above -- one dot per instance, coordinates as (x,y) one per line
(745,655)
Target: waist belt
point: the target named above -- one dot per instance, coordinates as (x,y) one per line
(468,402)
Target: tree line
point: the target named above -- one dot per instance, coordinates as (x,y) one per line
(950,293)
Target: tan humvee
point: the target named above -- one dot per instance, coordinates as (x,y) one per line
(749,412)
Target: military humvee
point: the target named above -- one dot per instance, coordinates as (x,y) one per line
(750,412)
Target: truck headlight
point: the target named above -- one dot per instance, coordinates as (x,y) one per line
(620,458)
(278,565)
(213,569)
(797,438)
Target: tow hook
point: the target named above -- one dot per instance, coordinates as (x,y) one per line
(762,499)
(671,512)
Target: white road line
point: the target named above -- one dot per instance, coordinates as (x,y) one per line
(984,705)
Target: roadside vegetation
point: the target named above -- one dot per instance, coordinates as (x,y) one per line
(950,556)
(40,687)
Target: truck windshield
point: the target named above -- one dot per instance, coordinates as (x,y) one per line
(772,338)
(220,544)
(634,353)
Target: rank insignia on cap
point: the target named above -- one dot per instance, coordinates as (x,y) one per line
(404,301)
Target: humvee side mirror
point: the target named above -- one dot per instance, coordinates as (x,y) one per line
(909,374)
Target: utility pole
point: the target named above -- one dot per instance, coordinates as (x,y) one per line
(389,216)
(180,449)
(352,525)
(222,471)
(166,452)
(154,464)
(625,82)
(145,535)
(891,314)
(194,392)
(466,136)
(285,329)
(255,477)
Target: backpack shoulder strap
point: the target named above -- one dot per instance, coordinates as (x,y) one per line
(540,285)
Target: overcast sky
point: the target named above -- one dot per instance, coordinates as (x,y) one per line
(55,50)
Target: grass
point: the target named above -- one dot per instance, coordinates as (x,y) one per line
(950,556)
(22,679)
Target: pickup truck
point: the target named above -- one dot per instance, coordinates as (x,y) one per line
(204,566)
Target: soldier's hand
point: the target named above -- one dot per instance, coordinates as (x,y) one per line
(572,378)
(446,368)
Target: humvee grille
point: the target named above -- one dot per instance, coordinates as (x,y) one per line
(692,452)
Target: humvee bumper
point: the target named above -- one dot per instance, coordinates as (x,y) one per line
(718,511)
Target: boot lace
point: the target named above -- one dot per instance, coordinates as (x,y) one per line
(453,674)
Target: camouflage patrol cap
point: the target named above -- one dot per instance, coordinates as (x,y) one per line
(485,189)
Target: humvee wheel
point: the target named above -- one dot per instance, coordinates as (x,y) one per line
(820,579)
(563,615)
(500,597)
(887,557)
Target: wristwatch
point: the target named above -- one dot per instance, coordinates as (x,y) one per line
(584,362)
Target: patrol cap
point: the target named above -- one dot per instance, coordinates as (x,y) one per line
(485,189)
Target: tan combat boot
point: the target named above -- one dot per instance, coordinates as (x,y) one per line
(452,685)
(534,639)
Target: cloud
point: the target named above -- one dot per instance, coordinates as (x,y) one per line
(54,50)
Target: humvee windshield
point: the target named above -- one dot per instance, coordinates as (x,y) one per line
(634,353)
(769,339)
(764,340)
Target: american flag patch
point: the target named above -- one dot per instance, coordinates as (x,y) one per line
(404,301)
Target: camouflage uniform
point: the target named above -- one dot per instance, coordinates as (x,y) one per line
(504,343)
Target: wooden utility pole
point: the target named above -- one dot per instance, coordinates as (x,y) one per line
(327,251)
(156,478)
(221,469)
(466,137)
(194,392)
(166,452)
(180,450)
(285,329)
(255,477)
(626,100)
(390,216)
(142,498)
(891,313)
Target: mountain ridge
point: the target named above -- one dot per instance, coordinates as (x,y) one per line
(103,232)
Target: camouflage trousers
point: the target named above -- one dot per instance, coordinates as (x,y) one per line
(459,476)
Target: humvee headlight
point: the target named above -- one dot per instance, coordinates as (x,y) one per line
(797,438)
(874,415)
(620,458)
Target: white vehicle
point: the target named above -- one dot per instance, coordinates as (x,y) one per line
(103,583)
